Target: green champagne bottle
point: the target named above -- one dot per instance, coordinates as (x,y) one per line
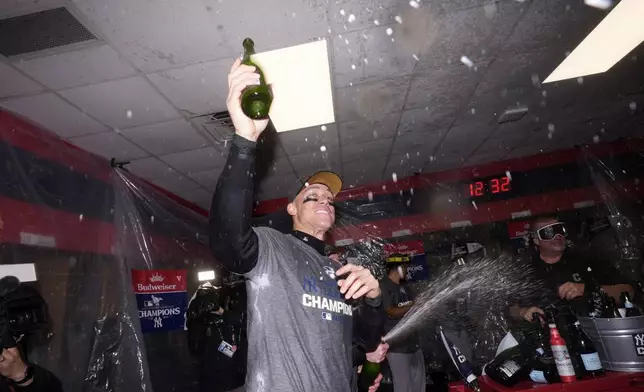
(255,100)
(368,375)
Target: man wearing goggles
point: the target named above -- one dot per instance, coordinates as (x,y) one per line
(567,276)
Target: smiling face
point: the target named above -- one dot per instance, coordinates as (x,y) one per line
(312,210)
(555,245)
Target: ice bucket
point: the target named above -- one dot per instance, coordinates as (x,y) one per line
(619,341)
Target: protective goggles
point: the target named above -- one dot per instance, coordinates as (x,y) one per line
(549,232)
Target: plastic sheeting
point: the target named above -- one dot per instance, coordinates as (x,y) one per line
(86,226)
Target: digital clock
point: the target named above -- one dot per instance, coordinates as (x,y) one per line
(490,186)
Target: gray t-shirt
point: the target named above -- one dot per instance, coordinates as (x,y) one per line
(397,295)
(299,327)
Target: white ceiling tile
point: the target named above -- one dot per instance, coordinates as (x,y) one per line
(122,103)
(365,131)
(309,163)
(166,137)
(149,168)
(198,88)
(207,178)
(358,151)
(70,69)
(310,139)
(53,113)
(176,183)
(384,58)
(14,83)
(195,160)
(110,145)
(370,101)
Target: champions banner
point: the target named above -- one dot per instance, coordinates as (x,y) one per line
(161,299)
(418,269)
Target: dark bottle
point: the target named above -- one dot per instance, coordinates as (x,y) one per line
(612,310)
(586,349)
(256,99)
(544,368)
(368,375)
(509,367)
(631,309)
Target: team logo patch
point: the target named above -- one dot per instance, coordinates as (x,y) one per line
(330,272)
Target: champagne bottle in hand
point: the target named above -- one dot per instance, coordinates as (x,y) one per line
(256,99)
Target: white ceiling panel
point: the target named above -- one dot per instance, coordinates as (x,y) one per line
(198,88)
(70,69)
(53,113)
(110,145)
(166,137)
(207,178)
(14,83)
(194,161)
(358,151)
(161,35)
(122,103)
(369,101)
(315,139)
(176,183)
(150,168)
(369,54)
(364,131)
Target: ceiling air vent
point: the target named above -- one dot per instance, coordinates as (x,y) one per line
(511,115)
(41,30)
(218,126)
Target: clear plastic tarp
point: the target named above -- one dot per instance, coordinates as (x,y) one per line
(118,260)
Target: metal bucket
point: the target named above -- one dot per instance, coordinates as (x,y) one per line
(619,341)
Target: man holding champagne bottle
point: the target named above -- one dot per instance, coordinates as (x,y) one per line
(567,276)
(300,329)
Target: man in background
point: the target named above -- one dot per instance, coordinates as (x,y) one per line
(567,276)
(405,358)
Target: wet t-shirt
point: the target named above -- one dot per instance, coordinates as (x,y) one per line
(295,309)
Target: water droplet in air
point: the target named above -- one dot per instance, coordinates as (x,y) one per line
(535,80)
(544,93)
(389,31)
(342,12)
(508,175)
(80,217)
(580,80)
(549,135)
(596,139)
(632,105)
(398,19)
(601,4)
(394,177)
(602,130)
(376,22)
(152,219)
(551,127)
(416,57)
(323,128)
(306,139)
(370,196)
(473,111)
(353,66)
(384,187)
(465,60)
(128,114)
(474,204)
(366,61)
(352,18)
(323,148)
(414,4)
(346,41)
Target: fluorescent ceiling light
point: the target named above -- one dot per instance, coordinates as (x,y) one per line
(301,81)
(619,33)
(24,272)
(205,275)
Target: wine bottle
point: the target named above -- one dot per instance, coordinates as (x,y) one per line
(586,349)
(544,368)
(562,356)
(509,367)
(631,309)
(613,311)
(255,99)
(368,375)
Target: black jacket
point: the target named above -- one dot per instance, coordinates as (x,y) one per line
(44,381)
